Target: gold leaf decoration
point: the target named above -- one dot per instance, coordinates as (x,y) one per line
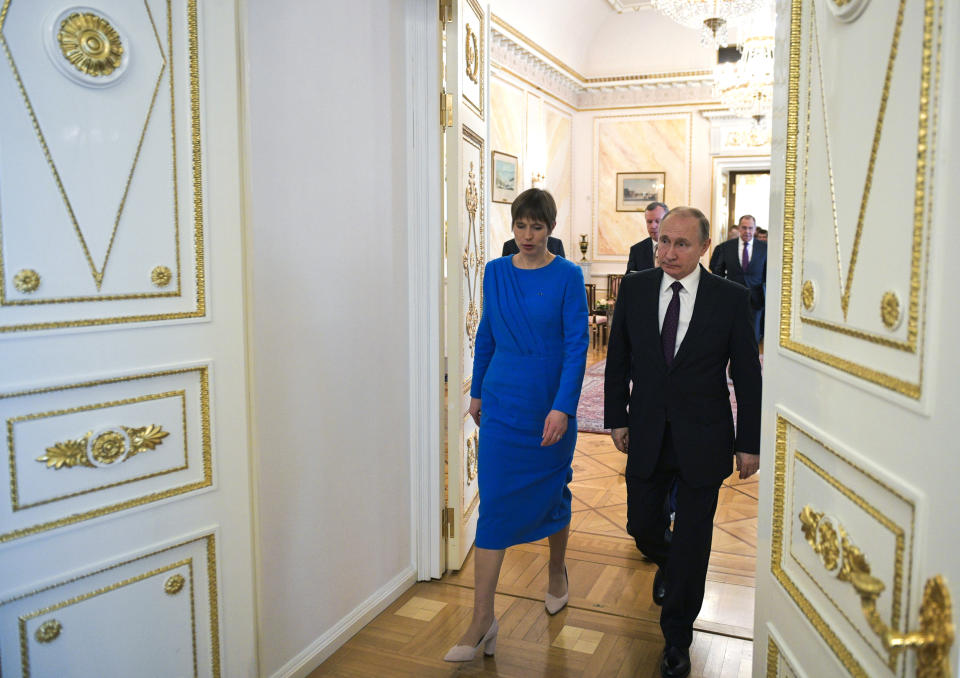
(161,276)
(890,310)
(808,294)
(90,43)
(829,544)
(48,631)
(472,55)
(66,454)
(174,584)
(108,448)
(26,281)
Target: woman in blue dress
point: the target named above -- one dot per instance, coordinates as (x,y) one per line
(528,366)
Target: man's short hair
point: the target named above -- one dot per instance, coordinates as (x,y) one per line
(536,204)
(691,212)
(747,216)
(654,205)
(761,231)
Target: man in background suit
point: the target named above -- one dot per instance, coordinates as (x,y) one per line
(744,261)
(674,330)
(554,246)
(643,255)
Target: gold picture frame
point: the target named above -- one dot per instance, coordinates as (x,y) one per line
(636,190)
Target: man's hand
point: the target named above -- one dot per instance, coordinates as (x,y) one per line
(621,438)
(747,464)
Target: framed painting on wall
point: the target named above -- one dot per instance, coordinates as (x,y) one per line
(505,184)
(636,190)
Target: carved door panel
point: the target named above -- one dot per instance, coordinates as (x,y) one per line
(857,541)
(466,251)
(125,544)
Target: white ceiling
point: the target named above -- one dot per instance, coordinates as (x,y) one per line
(595,40)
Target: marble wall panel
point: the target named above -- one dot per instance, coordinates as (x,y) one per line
(507,114)
(641,143)
(559,143)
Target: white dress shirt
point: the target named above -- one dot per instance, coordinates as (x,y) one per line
(740,246)
(688,296)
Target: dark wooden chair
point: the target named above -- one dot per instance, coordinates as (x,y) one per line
(596,322)
(613,284)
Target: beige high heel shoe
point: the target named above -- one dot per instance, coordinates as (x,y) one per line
(465,653)
(554,603)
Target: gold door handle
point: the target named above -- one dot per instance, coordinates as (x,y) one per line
(935,637)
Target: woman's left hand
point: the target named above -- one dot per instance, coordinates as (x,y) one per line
(554,427)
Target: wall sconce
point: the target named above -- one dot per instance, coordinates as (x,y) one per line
(538,179)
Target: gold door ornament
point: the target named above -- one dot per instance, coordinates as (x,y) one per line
(161,276)
(935,637)
(473,54)
(48,631)
(90,43)
(808,294)
(473,449)
(111,446)
(890,310)
(471,262)
(174,584)
(26,281)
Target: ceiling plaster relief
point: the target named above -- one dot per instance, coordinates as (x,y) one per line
(621,91)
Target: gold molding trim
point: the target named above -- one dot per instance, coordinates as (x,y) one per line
(832,543)
(890,310)
(773,658)
(113,446)
(776,545)
(13,421)
(922,213)
(26,280)
(48,631)
(206,456)
(90,43)
(174,585)
(188,562)
(478,68)
(161,276)
(200,309)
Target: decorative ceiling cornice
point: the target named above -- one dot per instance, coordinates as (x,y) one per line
(622,6)
(514,52)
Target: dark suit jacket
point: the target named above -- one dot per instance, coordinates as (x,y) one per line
(554,246)
(725,262)
(691,395)
(641,256)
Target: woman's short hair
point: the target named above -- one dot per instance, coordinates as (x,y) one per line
(696,214)
(535,204)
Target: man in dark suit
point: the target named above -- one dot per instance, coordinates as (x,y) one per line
(744,261)
(554,246)
(643,255)
(674,330)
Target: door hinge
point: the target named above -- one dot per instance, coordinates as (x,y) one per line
(446,110)
(447,520)
(446,11)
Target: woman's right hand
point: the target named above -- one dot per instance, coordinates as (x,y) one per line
(475,410)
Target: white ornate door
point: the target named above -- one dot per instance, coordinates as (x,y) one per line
(857,547)
(125,545)
(467,181)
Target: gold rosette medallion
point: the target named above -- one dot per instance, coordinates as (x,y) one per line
(90,43)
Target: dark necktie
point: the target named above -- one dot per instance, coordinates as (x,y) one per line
(745,261)
(668,335)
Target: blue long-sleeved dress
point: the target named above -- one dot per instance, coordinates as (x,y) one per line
(529,358)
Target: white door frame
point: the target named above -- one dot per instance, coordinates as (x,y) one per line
(425,260)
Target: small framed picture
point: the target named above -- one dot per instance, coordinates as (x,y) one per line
(636,190)
(506,178)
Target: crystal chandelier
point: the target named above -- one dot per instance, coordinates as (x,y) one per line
(710,16)
(746,86)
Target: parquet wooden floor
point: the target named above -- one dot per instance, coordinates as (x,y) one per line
(610,627)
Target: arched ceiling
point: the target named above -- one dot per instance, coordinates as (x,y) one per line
(595,40)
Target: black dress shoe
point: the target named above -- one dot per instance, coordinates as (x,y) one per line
(659,588)
(675,662)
